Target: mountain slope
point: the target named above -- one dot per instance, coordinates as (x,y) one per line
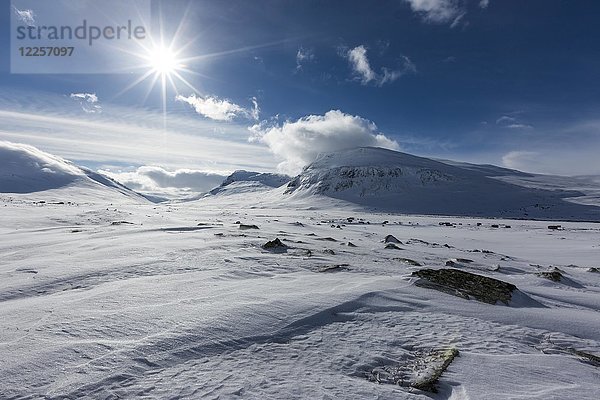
(246,181)
(25,169)
(399,182)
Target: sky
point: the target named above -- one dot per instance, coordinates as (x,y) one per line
(266,85)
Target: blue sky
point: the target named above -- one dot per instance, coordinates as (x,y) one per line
(512,83)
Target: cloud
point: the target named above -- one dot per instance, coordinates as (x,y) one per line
(88,102)
(438,11)
(407,67)
(517,159)
(159,181)
(484,3)
(26,16)
(456,22)
(255,110)
(304,56)
(219,109)
(299,142)
(506,121)
(519,126)
(126,136)
(568,161)
(362,68)
(360,64)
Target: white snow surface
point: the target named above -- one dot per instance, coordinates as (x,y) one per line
(106,297)
(127,300)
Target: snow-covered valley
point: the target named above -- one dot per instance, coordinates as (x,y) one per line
(107,295)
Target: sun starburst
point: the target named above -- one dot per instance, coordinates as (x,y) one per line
(163,60)
(168,64)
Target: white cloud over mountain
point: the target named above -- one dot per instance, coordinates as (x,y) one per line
(299,142)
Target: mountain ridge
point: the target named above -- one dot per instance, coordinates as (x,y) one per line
(392,181)
(25,169)
(374,178)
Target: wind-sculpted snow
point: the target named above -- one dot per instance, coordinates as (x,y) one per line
(259,294)
(129,300)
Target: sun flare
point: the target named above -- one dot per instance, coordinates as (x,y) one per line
(162,60)
(161,65)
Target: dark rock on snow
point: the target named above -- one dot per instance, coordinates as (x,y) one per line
(391,239)
(392,246)
(244,226)
(466,285)
(274,245)
(555,275)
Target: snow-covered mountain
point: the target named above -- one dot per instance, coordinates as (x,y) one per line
(393,181)
(247,181)
(377,178)
(25,169)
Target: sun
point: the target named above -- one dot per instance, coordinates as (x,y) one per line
(163,60)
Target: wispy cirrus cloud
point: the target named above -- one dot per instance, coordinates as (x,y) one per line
(26,16)
(438,11)
(510,122)
(361,67)
(304,56)
(299,142)
(127,136)
(220,109)
(452,12)
(255,110)
(88,102)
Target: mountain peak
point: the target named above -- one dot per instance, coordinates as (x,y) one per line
(399,182)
